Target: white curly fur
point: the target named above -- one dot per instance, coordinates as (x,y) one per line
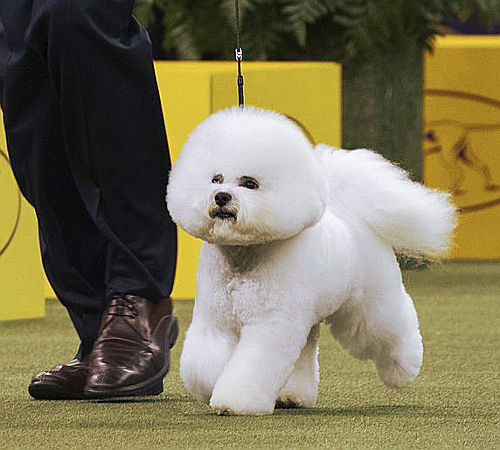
(314,242)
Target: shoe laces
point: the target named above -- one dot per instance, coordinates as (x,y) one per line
(123,306)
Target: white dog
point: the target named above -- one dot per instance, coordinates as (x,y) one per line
(295,235)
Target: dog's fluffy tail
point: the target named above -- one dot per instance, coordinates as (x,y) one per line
(415,220)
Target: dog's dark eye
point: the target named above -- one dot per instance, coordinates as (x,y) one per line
(249,183)
(219,179)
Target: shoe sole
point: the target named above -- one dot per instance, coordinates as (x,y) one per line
(152,386)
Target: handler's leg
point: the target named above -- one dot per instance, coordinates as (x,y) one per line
(100,64)
(101,206)
(72,247)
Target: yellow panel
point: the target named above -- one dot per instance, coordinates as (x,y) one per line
(308,92)
(20,266)
(184,91)
(462,110)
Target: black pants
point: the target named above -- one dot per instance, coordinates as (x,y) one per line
(88,148)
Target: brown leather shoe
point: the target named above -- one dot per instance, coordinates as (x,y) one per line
(63,382)
(131,354)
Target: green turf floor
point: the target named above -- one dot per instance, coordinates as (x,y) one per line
(453,404)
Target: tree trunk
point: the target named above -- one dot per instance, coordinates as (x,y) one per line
(382,107)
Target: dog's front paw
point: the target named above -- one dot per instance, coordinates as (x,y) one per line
(239,402)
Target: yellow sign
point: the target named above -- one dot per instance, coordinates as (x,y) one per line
(11,205)
(21,277)
(462,137)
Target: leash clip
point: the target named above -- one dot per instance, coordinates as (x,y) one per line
(238,53)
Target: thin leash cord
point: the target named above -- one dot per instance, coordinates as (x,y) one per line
(238,52)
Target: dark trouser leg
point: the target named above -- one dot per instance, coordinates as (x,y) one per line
(85,129)
(99,60)
(72,246)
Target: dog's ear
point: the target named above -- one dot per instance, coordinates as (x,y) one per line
(186,192)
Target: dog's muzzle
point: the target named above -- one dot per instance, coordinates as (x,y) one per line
(222,213)
(221,209)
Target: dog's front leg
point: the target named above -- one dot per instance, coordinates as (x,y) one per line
(260,366)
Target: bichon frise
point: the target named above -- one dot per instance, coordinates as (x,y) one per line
(295,235)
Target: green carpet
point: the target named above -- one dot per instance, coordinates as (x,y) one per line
(453,404)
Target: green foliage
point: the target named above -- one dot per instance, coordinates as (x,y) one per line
(344,30)
(194,29)
(143,12)
(372,27)
(206,29)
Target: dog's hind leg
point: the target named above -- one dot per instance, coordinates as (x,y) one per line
(383,328)
(301,388)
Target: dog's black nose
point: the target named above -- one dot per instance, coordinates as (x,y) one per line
(222,198)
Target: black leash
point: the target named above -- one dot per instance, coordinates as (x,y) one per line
(238,52)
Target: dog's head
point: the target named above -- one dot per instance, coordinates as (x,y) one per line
(246,176)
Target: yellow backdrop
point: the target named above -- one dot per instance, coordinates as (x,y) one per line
(462,129)
(21,278)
